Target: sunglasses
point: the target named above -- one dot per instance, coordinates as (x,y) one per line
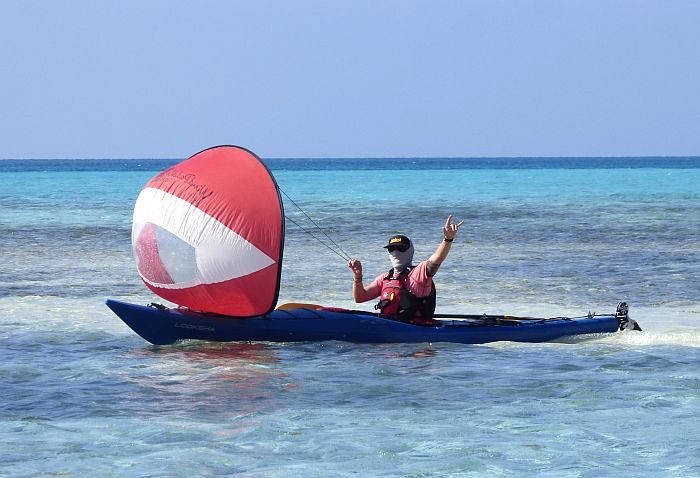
(401,248)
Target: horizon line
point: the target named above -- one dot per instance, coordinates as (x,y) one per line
(333,158)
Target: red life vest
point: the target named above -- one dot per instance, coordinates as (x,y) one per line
(396,301)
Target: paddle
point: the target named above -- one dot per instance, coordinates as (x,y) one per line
(301,305)
(297,305)
(484,317)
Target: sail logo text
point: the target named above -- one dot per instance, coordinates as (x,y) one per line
(188,178)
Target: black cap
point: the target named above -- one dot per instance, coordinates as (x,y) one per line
(402,242)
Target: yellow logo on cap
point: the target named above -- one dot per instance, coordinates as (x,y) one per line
(394,239)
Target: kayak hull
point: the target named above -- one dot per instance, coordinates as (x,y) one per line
(166,326)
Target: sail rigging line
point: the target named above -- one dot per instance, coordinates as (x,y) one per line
(344,257)
(344,254)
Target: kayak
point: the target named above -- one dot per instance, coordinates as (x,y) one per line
(208,235)
(160,325)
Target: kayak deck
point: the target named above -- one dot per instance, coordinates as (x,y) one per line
(162,326)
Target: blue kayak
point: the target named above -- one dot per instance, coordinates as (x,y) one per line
(161,326)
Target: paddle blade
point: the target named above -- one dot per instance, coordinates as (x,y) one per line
(298,305)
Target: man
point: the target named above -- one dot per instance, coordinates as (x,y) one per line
(406,292)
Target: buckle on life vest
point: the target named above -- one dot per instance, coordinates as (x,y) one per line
(382,303)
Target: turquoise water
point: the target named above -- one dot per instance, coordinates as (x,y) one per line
(83,395)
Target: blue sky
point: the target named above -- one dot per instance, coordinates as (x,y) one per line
(117,79)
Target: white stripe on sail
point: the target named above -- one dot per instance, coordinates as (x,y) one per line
(221,254)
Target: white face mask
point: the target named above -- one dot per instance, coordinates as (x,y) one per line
(401,260)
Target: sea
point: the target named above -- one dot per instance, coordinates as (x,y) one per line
(82,395)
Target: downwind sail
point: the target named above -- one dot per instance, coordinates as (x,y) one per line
(208,233)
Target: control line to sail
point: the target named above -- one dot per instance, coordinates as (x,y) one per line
(344,257)
(337,251)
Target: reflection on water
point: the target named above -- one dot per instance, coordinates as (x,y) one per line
(422,353)
(209,379)
(227,353)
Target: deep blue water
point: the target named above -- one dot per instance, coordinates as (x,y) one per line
(83,395)
(351,164)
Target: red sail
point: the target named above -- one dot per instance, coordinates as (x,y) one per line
(208,233)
